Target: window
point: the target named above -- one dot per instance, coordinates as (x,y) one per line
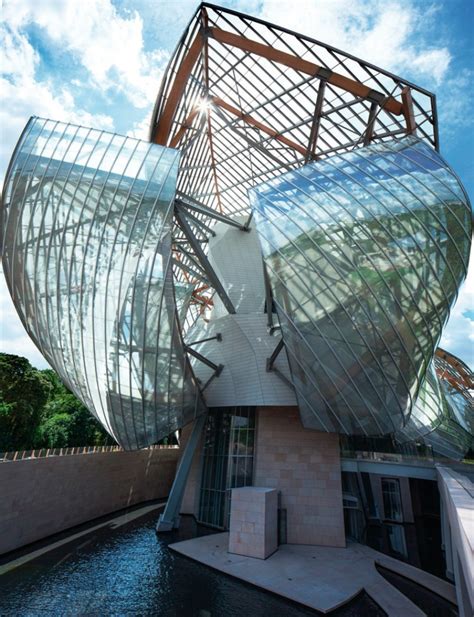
(396,540)
(392,502)
(228,460)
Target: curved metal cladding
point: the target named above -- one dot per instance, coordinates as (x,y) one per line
(365,252)
(443,415)
(87,221)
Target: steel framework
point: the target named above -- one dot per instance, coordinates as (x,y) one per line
(245,100)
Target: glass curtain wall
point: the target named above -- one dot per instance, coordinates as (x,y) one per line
(227,461)
(365,254)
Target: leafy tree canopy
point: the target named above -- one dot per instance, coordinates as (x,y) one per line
(38,411)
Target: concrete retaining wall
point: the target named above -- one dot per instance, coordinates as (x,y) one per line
(39,497)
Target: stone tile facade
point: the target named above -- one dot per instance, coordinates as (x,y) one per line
(305,466)
(253,530)
(40,497)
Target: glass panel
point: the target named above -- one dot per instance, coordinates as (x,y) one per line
(392,501)
(396,540)
(365,253)
(86,256)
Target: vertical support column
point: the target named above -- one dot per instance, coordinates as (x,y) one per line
(170,518)
(408,111)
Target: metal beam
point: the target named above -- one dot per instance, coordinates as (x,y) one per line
(217,337)
(318,110)
(304,66)
(202,358)
(198,223)
(257,124)
(369,131)
(191,204)
(274,356)
(268,299)
(203,260)
(169,520)
(189,270)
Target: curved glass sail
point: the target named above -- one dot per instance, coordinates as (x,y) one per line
(365,253)
(443,414)
(87,219)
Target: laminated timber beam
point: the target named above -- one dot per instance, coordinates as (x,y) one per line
(163,127)
(408,110)
(305,66)
(259,125)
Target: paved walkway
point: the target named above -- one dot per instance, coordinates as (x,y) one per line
(322,578)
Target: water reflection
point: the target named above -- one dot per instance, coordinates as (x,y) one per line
(129,571)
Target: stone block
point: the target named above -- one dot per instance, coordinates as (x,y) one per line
(253,528)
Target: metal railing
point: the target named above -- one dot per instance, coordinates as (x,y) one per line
(47,452)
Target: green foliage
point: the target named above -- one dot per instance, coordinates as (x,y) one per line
(56,430)
(38,411)
(23,394)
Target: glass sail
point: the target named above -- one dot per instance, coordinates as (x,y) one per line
(365,253)
(87,219)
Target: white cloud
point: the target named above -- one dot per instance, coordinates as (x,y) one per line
(458,336)
(107,44)
(22,95)
(141,129)
(13,337)
(388,34)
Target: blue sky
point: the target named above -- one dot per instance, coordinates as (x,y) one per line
(99,63)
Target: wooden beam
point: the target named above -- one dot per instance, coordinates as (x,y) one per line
(183,128)
(262,127)
(304,66)
(164,123)
(408,111)
(463,378)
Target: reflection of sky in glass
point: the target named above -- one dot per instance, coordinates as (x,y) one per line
(365,252)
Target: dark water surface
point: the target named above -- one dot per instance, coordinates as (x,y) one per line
(131,571)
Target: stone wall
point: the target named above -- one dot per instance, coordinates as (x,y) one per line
(305,466)
(43,496)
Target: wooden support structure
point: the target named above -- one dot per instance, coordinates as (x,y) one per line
(259,125)
(408,111)
(179,84)
(304,66)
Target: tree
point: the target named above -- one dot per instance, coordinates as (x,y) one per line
(56,431)
(82,428)
(38,411)
(23,394)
